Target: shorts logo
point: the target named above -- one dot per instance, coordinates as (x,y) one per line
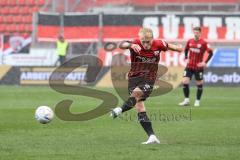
(146,87)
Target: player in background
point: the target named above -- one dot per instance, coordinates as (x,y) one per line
(145,55)
(194,53)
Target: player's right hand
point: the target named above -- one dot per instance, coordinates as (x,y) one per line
(136,48)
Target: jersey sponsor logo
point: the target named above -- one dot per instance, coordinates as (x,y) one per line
(198,45)
(146,59)
(195,50)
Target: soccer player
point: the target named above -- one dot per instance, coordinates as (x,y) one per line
(145,53)
(194,53)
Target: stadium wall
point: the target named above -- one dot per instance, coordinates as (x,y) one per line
(220,27)
(224,77)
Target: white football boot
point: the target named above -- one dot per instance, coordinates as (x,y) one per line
(152,140)
(185,102)
(197,103)
(116,112)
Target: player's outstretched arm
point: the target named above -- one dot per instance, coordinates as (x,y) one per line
(174,47)
(129,45)
(125,45)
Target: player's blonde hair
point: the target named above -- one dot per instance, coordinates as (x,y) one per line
(145,33)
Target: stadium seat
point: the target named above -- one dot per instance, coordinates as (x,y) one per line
(11,28)
(2,28)
(1,19)
(35,9)
(28,28)
(21,2)
(14,10)
(9,19)
(25,10)
(21,28)
(41,2)
(27,19)
(3,3)
(11,2)
(4,10)
(30,2)
(18,29)
(18,19)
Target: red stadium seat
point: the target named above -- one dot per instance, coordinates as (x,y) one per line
(11,2)
(18,19)
(4,19)
(2,28)
(11,28)
(3,2)
(28,28)
(9,19)
(14,10)
(41,2)
(18,29)
(35,9)
(25,10)
(30,2)
(5,10)
(1,19)
(21,2)
(27,19)
(21,28)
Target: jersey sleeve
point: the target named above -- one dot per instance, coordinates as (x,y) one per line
(208,47)
(133,41)
(187,45)
(163,45)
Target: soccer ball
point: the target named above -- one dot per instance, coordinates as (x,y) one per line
(44,114)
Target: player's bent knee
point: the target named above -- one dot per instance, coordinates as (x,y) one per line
(199,82)
(137,93)
(185,80)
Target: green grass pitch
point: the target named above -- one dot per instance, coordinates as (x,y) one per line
(210,132)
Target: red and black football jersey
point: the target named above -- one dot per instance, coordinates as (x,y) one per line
(146,62)
(196,49)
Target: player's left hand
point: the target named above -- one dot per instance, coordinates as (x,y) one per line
(202,64)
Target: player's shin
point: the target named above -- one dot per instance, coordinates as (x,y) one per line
(145,123)
(186,91)
(199,91)
(129,104)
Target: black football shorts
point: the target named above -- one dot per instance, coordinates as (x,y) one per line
(197,73)
(141,82)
